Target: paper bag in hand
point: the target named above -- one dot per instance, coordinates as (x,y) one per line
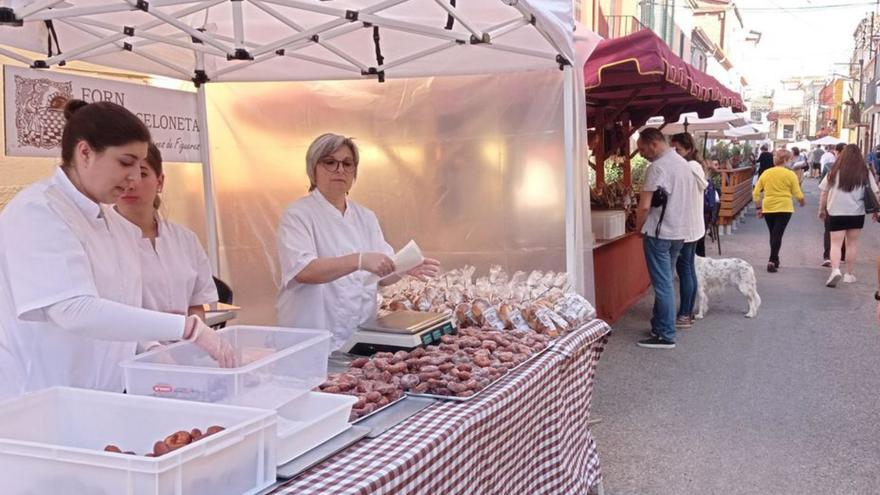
(404,260)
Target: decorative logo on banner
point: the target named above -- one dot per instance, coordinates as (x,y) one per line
(39,111)
(35,100)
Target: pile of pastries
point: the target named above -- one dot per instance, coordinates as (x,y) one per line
(174,441)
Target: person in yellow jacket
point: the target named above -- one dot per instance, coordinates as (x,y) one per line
(779,184)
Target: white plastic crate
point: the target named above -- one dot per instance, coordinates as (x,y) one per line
(311,420)
(608,224)
(275,366)
(52,441)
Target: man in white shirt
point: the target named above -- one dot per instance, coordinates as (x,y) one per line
(664,229)
(827,160)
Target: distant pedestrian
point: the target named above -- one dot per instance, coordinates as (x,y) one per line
(685,266)
(874,159)
(779,185)
(799,164)
(816,161)
(843,202)
(871,158)
(827,160)
(765,160)
(664,218)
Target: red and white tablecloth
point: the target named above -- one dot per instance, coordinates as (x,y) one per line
(527,434)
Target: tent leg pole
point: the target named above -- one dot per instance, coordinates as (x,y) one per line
(571,253)
(208,184)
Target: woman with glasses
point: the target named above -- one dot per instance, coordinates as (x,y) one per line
(332,251)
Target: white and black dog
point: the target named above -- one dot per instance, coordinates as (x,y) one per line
(714,275)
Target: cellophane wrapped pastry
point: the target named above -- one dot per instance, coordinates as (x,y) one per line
(543,302)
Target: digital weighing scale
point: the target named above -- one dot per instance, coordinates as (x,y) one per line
(399,331)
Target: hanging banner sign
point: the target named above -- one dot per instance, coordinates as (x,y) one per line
(34,111)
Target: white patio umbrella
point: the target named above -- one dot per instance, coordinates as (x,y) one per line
(827,141)
(746,133)
(722,119)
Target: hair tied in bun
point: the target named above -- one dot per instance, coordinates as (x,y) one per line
(71,107)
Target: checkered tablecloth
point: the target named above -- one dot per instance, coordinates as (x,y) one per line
(527,434)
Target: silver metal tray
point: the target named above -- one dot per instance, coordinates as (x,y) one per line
(465,399)
(458,399)
(322,452)
(386,406)
(394,414)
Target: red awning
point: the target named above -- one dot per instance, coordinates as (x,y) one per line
(639,75)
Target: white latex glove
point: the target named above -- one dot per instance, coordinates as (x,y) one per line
(377,263)
(205,337)
(429,268)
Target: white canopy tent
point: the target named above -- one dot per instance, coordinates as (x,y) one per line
(304,40)
(827,141)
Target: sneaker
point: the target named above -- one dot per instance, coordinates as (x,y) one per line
(656,343)
(771,267)
(849,278)
(684,322)
(834,278)
(826,262)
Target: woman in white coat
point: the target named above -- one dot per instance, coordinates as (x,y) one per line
(70,275)
(176,272)
(332,250)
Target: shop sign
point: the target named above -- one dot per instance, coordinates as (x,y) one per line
(34,111)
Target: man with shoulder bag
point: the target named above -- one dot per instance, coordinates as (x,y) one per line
(662,218)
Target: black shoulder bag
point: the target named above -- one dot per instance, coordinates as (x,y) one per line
(870,200)
(659,200)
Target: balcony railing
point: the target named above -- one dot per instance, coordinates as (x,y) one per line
(622,25)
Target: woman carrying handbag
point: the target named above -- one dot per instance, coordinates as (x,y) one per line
(849,191)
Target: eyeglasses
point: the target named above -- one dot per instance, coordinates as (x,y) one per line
(331,164)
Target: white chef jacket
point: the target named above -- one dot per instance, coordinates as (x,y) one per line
(313,228)
(176,273)
(56,244)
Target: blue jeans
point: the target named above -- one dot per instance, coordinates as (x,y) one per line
(661,255)
(687,278)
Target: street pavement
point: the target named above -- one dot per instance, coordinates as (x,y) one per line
(786,403)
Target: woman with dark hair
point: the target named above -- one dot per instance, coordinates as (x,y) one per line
(70,276)
(687,273)
(765,160)
(778,185)
(176,271)
(842,202)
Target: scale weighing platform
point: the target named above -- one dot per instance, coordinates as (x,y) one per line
(399,331)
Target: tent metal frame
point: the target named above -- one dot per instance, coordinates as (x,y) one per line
(237,52)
